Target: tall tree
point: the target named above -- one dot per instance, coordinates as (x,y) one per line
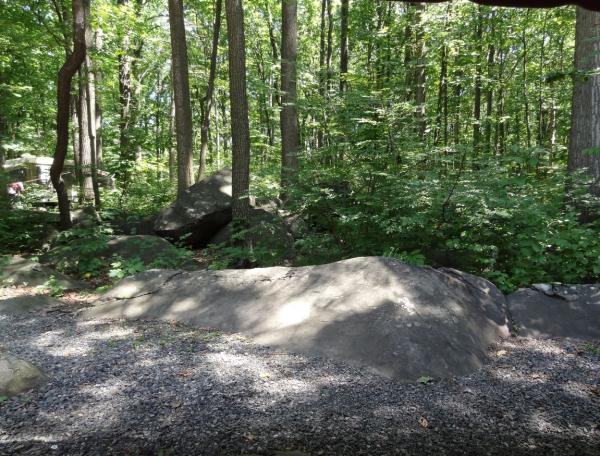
(210,89)
(240,127)
(63,96)
(181,91)
(584,148)
(344,12)
(290,135)
(125,97)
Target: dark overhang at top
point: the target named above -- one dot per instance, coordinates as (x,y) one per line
(593,5)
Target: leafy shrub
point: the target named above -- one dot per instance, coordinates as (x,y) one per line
(509,221)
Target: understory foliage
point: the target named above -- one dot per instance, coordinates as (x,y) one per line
(512,222)
(448,146)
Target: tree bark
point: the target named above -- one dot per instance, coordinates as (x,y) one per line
(63,92)
(240,128)
(584,147)
(181,89)
(125,101)
(478,76)
(290,135)
(210,88)
(344,45)
(85,141)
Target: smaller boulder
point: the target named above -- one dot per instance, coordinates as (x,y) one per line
(23,304)
(546,310)
(17,375)
(86,217)
(16,270)
(199,213)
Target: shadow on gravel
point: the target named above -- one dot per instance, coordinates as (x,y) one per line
(159,389)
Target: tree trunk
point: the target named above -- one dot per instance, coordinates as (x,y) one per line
(90,87)
(344,46)
(63,93)
(125,101)
(329,43)
(477,102)
(171,142)
(240,128)
(420,71)
(322,71)
(584,147)
(85,141)
(489,94)
(210,88)
(290,136)
(75,136)
(181,90)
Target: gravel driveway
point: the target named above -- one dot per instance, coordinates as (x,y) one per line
(149,388)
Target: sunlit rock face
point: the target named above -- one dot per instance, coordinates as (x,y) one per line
(400,320)
(199,213)
(17,375)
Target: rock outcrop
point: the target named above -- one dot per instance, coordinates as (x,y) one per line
(545,310)
(16,270)
(400,320)
(200,213)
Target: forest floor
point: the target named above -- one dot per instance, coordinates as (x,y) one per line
(152,388)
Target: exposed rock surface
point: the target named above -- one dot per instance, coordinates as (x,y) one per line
(400,320)
(16,270)
(23,304)
(200,213)
(85,217)
(17,375)
(545,310)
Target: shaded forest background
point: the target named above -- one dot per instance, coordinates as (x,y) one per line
(434,134)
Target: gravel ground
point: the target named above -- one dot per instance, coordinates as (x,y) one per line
(150,388)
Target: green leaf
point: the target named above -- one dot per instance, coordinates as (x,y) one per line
(424,380)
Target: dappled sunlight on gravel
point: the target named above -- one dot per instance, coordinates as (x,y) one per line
(145,387)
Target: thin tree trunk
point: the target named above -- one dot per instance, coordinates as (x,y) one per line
(477,102)
(210,88)
(420,71)
(75,137)
(240,128)
(90,88)
(65,75)
(489,94)
(181,89)
(290,135)
(322,70)
(85,141)
(329,42)
(344,45)
(125,101)
(172,161)
(584,147)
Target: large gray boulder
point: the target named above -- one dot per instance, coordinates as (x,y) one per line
(400,320)
(18,305)
(199,213)
(546,310)
(17,375)
(17,270)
